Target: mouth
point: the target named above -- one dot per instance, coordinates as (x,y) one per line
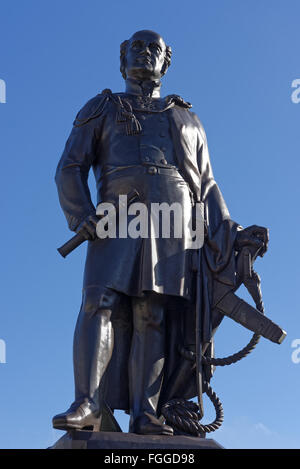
(144,60)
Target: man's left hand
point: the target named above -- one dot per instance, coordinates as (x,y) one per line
(256,236)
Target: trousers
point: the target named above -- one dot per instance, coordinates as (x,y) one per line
(93,347)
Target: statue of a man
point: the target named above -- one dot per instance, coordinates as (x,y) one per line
(138,302)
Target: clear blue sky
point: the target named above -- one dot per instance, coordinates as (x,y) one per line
(235,61)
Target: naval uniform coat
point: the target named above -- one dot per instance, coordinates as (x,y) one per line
(166,161)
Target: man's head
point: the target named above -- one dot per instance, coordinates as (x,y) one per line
(144,56)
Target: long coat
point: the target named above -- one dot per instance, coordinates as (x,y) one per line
(98,140)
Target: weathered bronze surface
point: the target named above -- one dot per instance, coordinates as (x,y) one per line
(147,299)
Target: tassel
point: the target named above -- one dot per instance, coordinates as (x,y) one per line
(133,127)
(126,116)
(121,116)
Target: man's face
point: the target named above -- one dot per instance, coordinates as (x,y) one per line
(145,56)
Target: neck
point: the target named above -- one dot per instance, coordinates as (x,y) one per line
(149,88)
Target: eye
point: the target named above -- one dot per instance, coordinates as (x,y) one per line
(155,47)
(137,45)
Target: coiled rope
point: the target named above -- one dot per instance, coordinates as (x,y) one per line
(183,415)
(189,355)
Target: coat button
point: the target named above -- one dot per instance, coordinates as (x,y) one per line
(147,158)
(163,149)
(162,134)
(163,161)
(152,170)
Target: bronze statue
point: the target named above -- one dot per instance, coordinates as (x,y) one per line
(145,300)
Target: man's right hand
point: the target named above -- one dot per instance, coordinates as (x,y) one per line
(88,227)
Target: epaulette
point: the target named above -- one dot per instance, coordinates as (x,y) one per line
(92,109)
(178,101)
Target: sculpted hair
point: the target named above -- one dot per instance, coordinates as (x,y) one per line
(123,49)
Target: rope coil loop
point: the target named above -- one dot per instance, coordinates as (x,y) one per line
(183,415)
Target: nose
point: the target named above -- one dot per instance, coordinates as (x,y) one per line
(146,51)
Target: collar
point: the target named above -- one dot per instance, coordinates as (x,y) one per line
(146,88)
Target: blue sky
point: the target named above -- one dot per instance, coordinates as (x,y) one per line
(235,61)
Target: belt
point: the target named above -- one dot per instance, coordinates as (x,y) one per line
(145,168)
(151,169)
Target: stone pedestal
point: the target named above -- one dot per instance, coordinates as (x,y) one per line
(128,441)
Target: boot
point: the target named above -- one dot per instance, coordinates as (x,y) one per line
(146,364)
(93,346)
(84,416)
